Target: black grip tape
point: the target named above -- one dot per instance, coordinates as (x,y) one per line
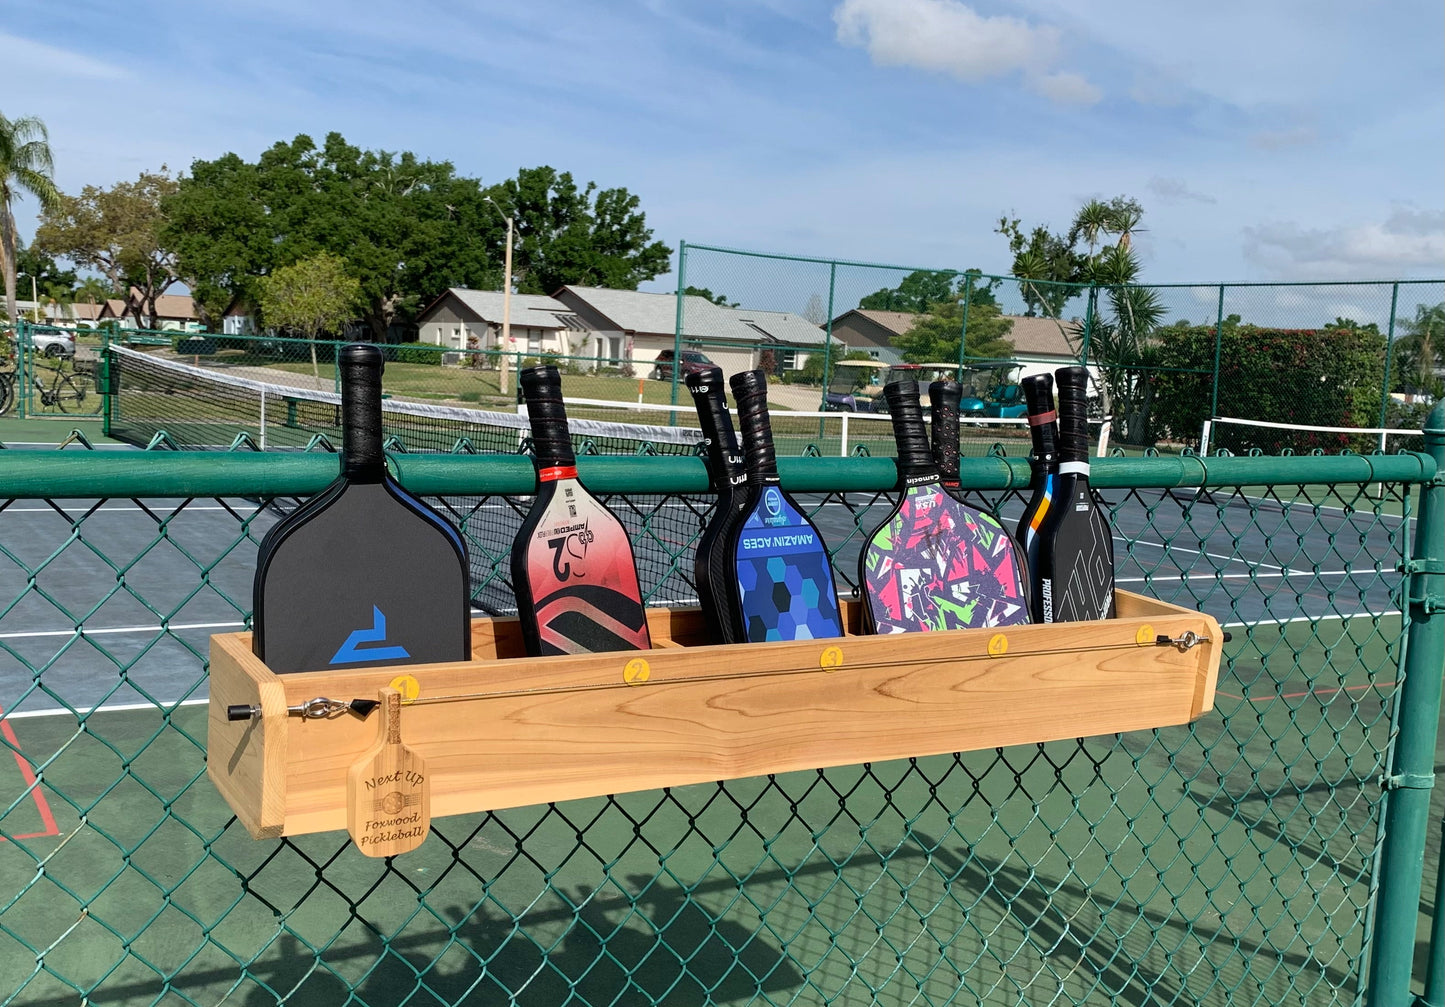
(360,367)
(750,389)
(915,460)
(1039,394)
(945,397)
(1073,414)
(708,395)
(551,440)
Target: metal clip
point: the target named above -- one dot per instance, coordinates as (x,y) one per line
(1184,641)
(319,708)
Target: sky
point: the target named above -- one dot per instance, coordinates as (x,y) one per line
(1289,140)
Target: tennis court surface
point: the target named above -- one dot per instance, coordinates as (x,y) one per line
(1231,861)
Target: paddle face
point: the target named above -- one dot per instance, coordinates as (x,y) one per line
(1080,564)
(784,576)
(1076,545)
(573,570)
(937,564)
(575,576)
(361,575)
(364,573)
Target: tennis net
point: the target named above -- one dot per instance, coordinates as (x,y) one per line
(199,408)
(1241,436)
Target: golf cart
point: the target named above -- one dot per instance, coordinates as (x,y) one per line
(853,386)
(1001,396)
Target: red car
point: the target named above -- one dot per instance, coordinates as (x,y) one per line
(692,362)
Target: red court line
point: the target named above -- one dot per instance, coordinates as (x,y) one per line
(1300,695)
(27,773)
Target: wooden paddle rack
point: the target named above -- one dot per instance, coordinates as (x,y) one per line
(504,730)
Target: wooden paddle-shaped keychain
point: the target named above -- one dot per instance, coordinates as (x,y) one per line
(388,795)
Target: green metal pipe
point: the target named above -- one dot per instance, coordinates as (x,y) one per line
(1411,773)
(1435,971)
(41,474)
(1218,345)
(1389,352)
(677,331)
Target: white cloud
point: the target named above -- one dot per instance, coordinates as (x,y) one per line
(1066,88)
(1175,190)
(1407,241)
(947,36)
(26,58)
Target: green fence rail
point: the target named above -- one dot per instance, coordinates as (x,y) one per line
(1273,852)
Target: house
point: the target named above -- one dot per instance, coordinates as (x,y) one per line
(873,331)
(619,328)
(472,319)
(1041,344)
(173,312)
(733,338)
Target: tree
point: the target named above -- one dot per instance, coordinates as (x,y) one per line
(93,290)
(408,228)
(120,232)
(51,284)
(25,167)
(934,337)
(708,295)
(1053,269)
(311,297)
(565,235)
(815,310)
(1420,352)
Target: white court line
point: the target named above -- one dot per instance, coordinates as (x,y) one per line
(1185,575)
(1309,618)
(113,630)
(118,708)
(1211,555)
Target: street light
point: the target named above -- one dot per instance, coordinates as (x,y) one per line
(502,381)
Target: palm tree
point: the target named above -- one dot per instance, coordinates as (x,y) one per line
(25,166)
(1422,348)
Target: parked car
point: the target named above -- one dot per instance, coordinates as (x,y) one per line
(53,344)
(693,361)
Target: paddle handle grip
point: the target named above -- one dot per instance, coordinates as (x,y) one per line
(945,397)
(724,457)
(551,440)
(1073,414)
(360,367)
(1043,420)
(750,389)
(915,460)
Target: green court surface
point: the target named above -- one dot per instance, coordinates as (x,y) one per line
(49,432)
(1016,861)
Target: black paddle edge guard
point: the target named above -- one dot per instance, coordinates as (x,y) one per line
(709,396)
(944,397)
(360,365)
(38,475)
(915,458)
(1073,414)
(551,442)
(750,390)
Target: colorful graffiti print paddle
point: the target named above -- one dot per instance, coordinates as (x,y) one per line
(935,563)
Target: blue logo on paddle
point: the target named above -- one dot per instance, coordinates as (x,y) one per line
(352,651)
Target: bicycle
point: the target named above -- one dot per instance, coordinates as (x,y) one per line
(63,388)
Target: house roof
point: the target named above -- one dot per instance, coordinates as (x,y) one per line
(1039,337)
(536,311)
(638,311)
(896,322)
(181,306)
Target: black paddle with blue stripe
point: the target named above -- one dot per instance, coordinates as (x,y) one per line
(363,573)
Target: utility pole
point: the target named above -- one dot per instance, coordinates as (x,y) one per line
(504,382)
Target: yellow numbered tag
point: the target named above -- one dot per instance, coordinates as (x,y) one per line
(408,686)
(997,645)
(636,671)
(831,658)
(1145,636)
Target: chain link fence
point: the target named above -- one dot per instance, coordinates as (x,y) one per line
(1269,853)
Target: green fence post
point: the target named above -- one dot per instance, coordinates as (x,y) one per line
(1389,352)
(1214,380)
(963,329)
(1412,768)
(1435,971)
(22,383)
(1088,324)
(677,327)
(827,342)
